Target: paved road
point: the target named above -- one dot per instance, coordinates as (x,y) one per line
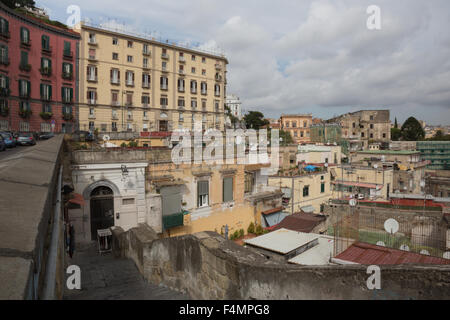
(107,278)
(14,153)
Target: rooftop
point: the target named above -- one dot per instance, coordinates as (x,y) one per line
(393,152)
(300,222)
(369,254)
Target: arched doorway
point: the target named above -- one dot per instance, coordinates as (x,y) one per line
(102,209)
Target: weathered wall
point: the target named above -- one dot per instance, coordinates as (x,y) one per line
(209,267)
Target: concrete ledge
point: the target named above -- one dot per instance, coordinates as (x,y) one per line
(28,192)
(14,278)
(209,267)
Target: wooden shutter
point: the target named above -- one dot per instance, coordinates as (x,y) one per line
(227,189)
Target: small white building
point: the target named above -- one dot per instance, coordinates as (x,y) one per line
(235,105)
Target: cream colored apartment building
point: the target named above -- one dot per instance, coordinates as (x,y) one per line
(298,125)
(129,83)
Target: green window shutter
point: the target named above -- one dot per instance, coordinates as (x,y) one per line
(7,82)
(63,94)
(50,92)
(43,42)
(227,189)
(21,34)
(28,88)
(71,94)
(49,63)
(42,63)
(71,68)
(42,90)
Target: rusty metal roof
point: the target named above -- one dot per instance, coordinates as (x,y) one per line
(368,254)
(300,222)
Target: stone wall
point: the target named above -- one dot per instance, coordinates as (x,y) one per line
(207,266)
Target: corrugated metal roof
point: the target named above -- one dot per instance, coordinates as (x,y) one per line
(282,240)
(365,253)
(358,184)
(317,255)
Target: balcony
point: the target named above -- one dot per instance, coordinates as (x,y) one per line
(68,54)
(145,105)
(46,97)
(25,67)
(129,117)
(67,116)
(218,66)
(92,102)
(181,71)
(164,87)
(93,42)
(180,89)
(67,100)
(164,56)
(5,34)
(173,220)
(25,43)
(114,116)
(164,106)
(46,71)
(164,69)
(217,93)
(115,103)
(146,85)
(92,58)
(129,83)
(24,95)
(115,81)
(47,50)
(146,66)
(146,52)
(91,116)
(4,92)
(181,59)
(92,79)
(4,61)
(67,75)
(218,77)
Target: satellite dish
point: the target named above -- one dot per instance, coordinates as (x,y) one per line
(391,226)
(381,244)
(446,255)
(404,247)
(352,202)
(425,252)
(106,138)
(326,165)
(375,166)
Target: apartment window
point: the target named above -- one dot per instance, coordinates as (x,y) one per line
(46,92)
(306,191)
(114,113)
(294,124)
(145,62)
(92,54)
(130,59)
(114,126)
(193,86)
(204,87)
(66,51)
(202,193)
(129,114)
(146,80)
(45,42)
(24,126)
(227,189)
(354,125)
(46,66)
(181,85)
(181,102)
(4,55)
(92,73)
(164,66)
(362,134)
(287,124)
(384,135)
(4,82)
(129,78)
(91,111)
(129,98)
(115,76)
(4,27)
(203,60)
(164,101)
(91,126)
(301,134)
(193,57)
(67,94)
(204,104)
(24,59)
(371,135)
(249,182)
(295,134)
(371,126)
(92,38)
(46,107)
(115,56)
(24,35)
(24,88)
(371,117)
(92,96)
(130,44)
(216,105)
(203,72)
(193,103)
(115,41)
(217,90)
(115,98)
(180,117)
(192,70)
(322,187)
(145,100)
(164,82)
(145,49)
(305,124)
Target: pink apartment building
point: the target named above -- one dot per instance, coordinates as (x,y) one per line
(38,76)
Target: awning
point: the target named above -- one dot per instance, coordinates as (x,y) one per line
(307,209)
(359,184)
(274,210)
(77,199)
(286,192)
(333,173)
(274,218)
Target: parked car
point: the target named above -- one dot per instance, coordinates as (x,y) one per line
(9,139)
(26,138)
(46,136)
(2,144)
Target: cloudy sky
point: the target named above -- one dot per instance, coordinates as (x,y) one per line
(306,56)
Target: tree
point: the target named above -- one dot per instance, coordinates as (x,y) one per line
(18,3)
(412,130)
(255,120)
(395,123)
(286,136)
(396,134)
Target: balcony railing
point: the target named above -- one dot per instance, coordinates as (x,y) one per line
(218,77)
(115,103)
(46,71)
(193,90)
(92,58)
(25,42)
(180,89)
(67,75)
(164,69)
(68,54)
(92,42)
(115,117)
(92,79)
(25,67)
(145,105)
(5,34)
(47,50)
(129,83)
(173,220)
(181,59)
(146,85)
(91,116)
(4,61)
(92,101)
(204,91)
(181,71)
(4,92)
(146,52)
(164,87)
(218,66)
(164,56)
(115,81)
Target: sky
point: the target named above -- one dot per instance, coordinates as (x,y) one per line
(311,56)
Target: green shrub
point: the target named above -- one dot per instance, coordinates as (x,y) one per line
(251,228)
(241,233)
(123,145)
(259,230)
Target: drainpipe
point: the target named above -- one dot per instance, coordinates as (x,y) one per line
(50,273)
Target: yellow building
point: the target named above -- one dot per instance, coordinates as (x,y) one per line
(298,125)
(132,84)
(303,191)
